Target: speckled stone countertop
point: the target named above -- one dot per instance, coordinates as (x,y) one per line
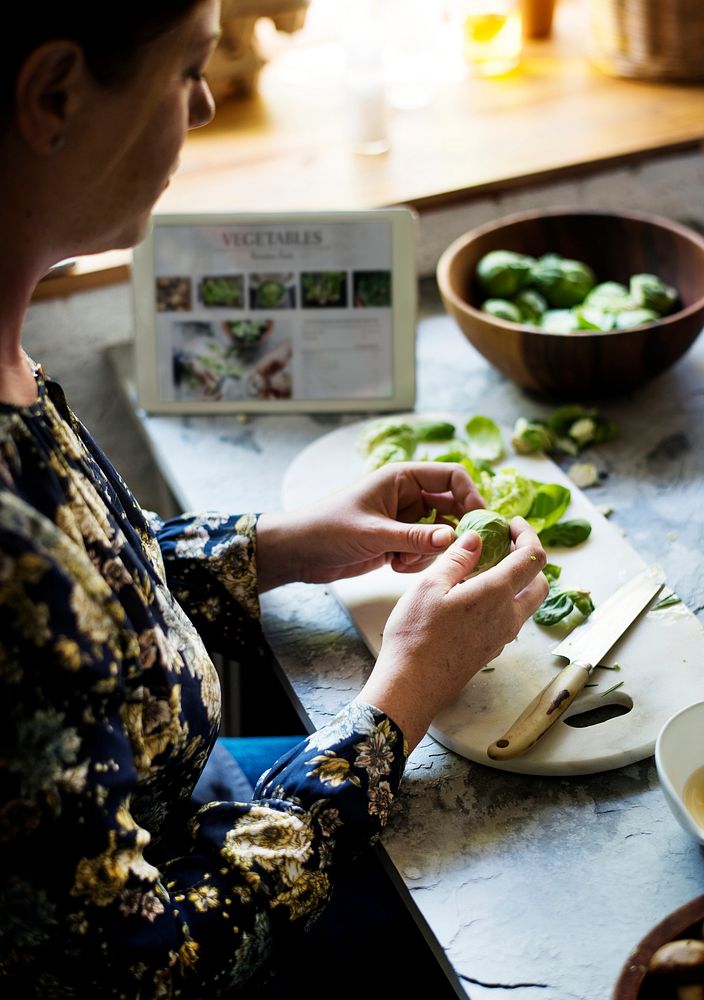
(532,887)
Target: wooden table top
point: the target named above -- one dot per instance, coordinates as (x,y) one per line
(289,147)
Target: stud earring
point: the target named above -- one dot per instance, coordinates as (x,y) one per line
(56,141)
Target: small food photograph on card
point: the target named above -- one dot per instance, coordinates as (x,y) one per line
(272,291)
(372,289)
(204,366)
(222,291)
(173,294)
(324,290)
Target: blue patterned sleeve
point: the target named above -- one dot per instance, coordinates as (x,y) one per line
(92,899)
(210,565)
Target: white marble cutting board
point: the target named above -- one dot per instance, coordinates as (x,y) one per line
(661,657)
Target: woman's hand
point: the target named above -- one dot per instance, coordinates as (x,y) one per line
(368,524)
(446,627)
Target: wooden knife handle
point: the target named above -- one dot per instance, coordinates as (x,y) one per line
(544,710)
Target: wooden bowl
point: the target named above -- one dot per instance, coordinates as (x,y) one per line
(585,363)
(634,982)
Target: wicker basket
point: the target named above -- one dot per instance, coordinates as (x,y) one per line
(648,39)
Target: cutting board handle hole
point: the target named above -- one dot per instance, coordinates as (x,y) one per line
(595,716)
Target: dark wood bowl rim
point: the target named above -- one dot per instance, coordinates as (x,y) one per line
(461,242)
(669,929)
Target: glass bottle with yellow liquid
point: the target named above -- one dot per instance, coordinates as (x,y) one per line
(493,40)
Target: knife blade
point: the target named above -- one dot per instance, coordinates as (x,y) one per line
(585,648)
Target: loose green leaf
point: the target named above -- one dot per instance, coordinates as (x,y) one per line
(560,603)
(485,439)
(551,571)
(582,602)
(556,606)
(388,451)
(550,501)
(433,430)
(461,458)
(566,533)
(387,429)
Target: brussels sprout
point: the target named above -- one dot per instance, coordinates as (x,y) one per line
(609,296)
(583,430)
(531,435)
(493,529)
(385,452)
(635,317)
(531,304)
(593,318)
(562,281)
(581,424)
(559,321)
(502,309)
(650,292)
(507,492)
(501,273)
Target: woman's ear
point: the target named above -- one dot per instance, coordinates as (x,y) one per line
(47,93)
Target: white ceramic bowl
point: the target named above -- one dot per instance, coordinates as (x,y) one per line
(679,752)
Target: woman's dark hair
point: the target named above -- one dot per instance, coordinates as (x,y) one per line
(112,35)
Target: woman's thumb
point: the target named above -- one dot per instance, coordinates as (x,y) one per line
(457,562)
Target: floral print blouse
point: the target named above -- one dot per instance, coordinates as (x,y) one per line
(112,884)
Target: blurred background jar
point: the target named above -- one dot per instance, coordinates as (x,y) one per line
(492,35)
(537,17)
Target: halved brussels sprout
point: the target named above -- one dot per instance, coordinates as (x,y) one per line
(635,317)
(609,296)
(650,292)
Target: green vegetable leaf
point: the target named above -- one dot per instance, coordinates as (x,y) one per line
(506,492)
(462,458)
(433,430)
(556,606)
(560,603)
(485,439)
(550,501)
(566,533)
(551,571)
(387,429)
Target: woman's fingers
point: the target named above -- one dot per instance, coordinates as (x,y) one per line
(449,478)
(457,562)
(531,597)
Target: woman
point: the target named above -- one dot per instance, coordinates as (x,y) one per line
(113,882)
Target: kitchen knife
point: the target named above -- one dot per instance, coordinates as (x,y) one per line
(585,648)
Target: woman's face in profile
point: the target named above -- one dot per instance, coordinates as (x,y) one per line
(134,132)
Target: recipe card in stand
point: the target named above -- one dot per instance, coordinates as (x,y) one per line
(658,661)
(306,312)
